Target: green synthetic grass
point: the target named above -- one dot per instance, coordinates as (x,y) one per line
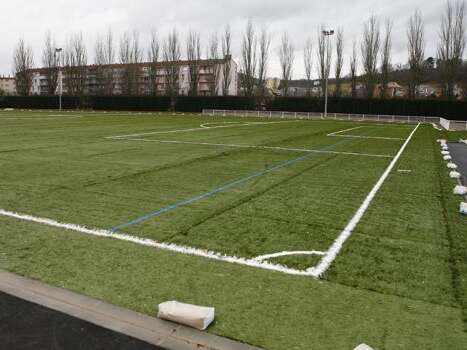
(399,282)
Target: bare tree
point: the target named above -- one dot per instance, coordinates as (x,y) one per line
(263,60)
(370,49)
(308,62)
(416,49)
(154,52)
(286,58)
(452,45)
(50,63)
(248,60)
(108,59)
(386,58)
(172,54)
(353,71)
(339,61)
(23,60)
(109,50)
(213,56)
(193,53)
(76,65)
(99,62)
(227,56)
(130,55)
(125,59)
(324,58)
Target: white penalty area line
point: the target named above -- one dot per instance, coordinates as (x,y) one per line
(154,244)
(337,245)
(202,127)
(338,134)
(232,145)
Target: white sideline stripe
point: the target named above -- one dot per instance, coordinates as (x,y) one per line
(335,248)
(202,128)
(251,146)
(154,244)
(276,255)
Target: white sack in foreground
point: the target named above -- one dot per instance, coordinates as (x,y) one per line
(447,157)
(445,147)
(463,208)
(199,317)
(445,153)
(363,347)
(454,175)
(460,190)
(452,166)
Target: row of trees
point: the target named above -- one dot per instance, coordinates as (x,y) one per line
(372,58)
(129,51)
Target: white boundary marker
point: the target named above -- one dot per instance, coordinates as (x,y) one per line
(251,146)
(154,244)
(336,247)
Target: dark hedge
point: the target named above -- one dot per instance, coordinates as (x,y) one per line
(454,110)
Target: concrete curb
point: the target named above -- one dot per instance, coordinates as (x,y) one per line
(149,329)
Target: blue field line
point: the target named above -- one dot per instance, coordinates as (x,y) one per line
(223,187)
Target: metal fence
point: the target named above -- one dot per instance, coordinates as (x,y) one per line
(320,116)
(453,125)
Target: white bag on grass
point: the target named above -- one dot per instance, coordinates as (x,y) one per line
(460,190)
(463,208)
(447,157)
(363,347)
(445,147)
(199,317)
(454,175)
(441,141)
(452,166)
(445,153)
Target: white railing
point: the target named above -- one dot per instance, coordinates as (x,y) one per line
(330,116)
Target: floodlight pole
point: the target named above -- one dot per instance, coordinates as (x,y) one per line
(327,34)
(60,84)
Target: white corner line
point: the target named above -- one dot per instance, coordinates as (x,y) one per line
(337,245)
(159,245)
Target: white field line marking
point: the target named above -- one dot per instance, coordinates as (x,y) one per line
(369,137)
(335,248)
(202,128)
(207,125)
(336,134)
(276,255)
(341,131)
(154,244)
(251,146)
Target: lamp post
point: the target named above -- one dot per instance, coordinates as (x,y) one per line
(60,85)
(327,34)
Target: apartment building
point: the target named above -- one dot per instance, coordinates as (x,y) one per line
(143,78)
(7,85)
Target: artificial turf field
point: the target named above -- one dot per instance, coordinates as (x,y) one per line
(243,188)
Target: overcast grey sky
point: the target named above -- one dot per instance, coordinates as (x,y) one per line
(31,19)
